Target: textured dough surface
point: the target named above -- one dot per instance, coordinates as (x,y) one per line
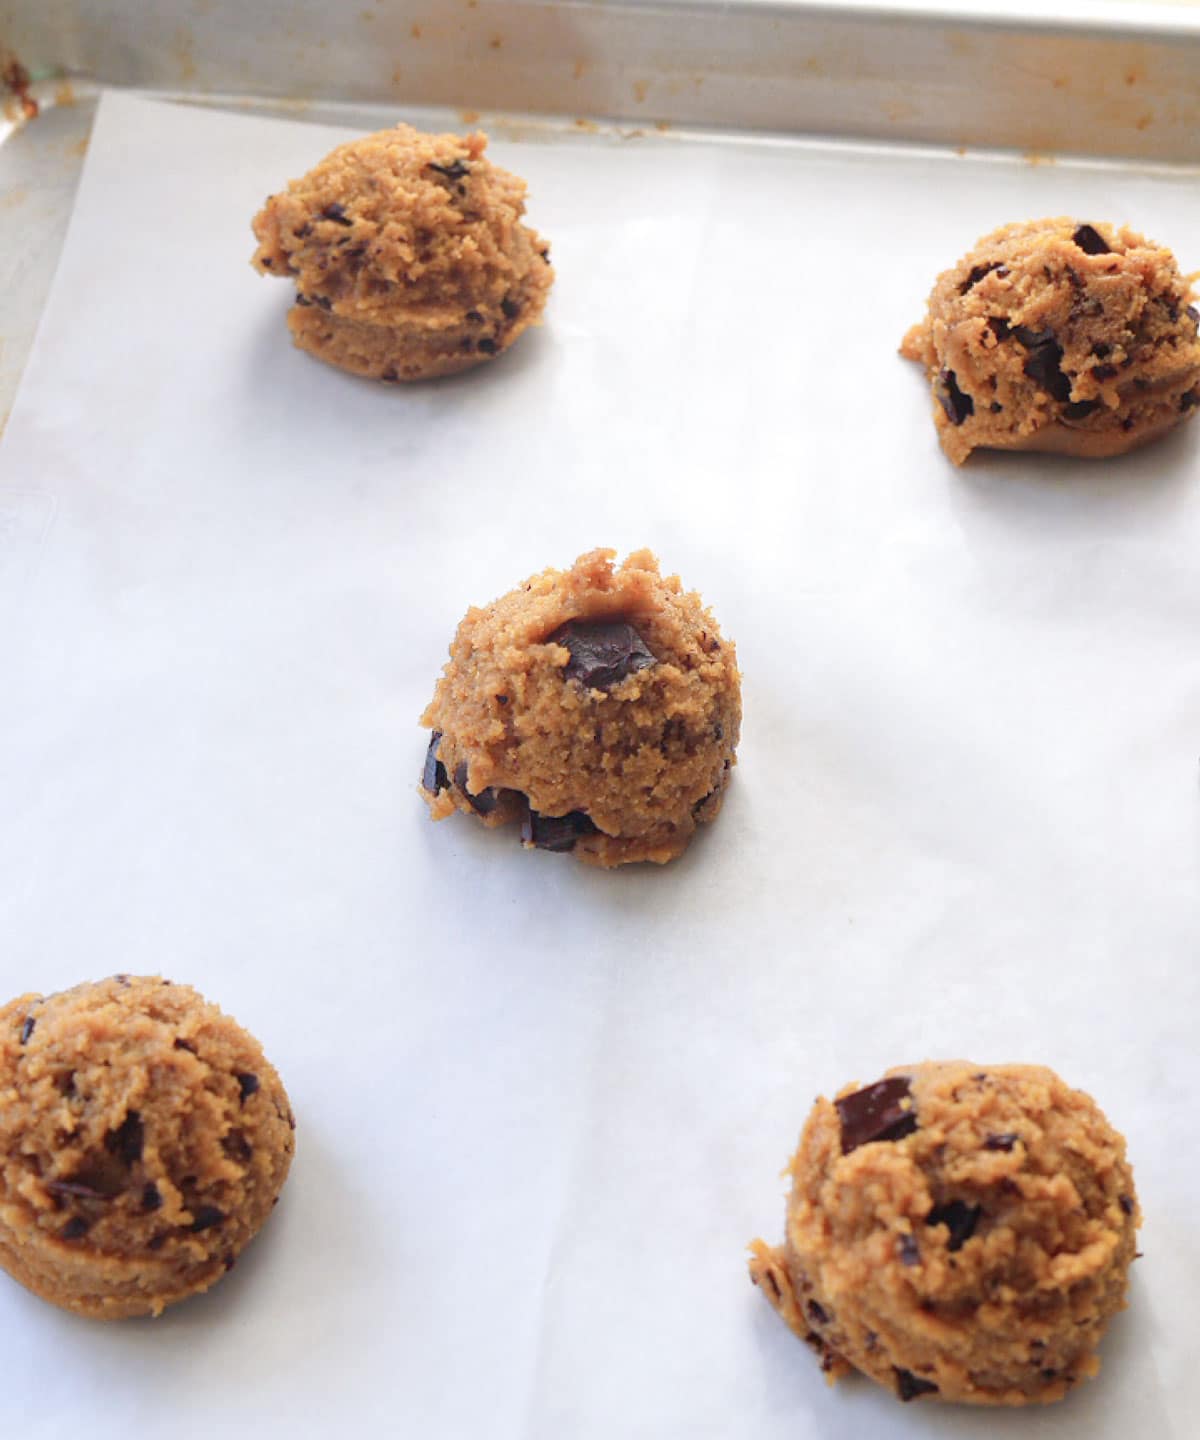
(144,1139)
(983,1253)
(408,253)
(1060,336)
(645,760)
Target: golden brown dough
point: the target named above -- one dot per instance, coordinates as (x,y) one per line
(599,706)
(956,1232)
(144,1139)
(1061,336)
(409,256)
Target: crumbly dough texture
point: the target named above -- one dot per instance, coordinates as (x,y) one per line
(644,761)
(409,256)
(977,1258)
(1059,335)
(144,1139)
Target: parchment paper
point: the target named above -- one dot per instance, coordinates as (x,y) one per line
(542,1109)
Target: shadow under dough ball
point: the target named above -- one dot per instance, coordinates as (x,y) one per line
(144,1139)
(598,706)
(956,1232)
(408,254)
(1060,336)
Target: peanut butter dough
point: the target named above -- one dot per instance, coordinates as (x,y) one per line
(144,1139)
(409,256)
(1061,336)
(600,707)
(956,1232)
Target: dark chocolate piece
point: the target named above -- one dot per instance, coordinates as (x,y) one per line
(957,405)
(555,832)
(1188,399)
(151,1199)
(1090,241)
(75,1228)
(910,1251)
(876,1112)
(237,1147)
(1193,314)
(602,654)
(817,1313)
(474,317)
(303,301)
(454,171)
(1126,1203)
(1104,372)
(1080,409)
(27,1028)
(511,308)
(185,1045)
(999,327)
(909,1386)
(979,272)
(247,1083)
(959,1218)
(156,1242)
(434,779)
(483,803)
(1005,1142)
(204,1217)
(488,346)
(337,213)
(323,302)
(1043,364)
(125,1142)
(389,376)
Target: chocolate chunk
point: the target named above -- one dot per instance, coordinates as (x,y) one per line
(910,1251)
(27,1028)
(77,1189)
(1090,241)
(337,213)
(959,1218)
(185,1045)
(501,699)
(1004,1142)
(876,1112)
(323,302)
(602,654)
(267,262)
(434,779)
(205,1217)
(954,402)
(125,1142)
(151,1199)
(156,1242)
(489,347)
(511,308)
(75,1228)
(1043,364)
(1126,1203)
(1080,409)
(1049,1374)
(545,254)
(303,301)
(483,803)
(1188,399)
(1104,372)
(390,377)
(909,1386)
(817,1313)
(769,1280)
(995,407)
(121,979)
(247,1084)
(555,832)
(474,317)
(1100,350)
(1193,314)
(237,1147)
(998,325)
(979,272)
(455,171)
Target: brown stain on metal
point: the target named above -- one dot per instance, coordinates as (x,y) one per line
(16,81)
(415,31)
(580,70)
(65,94)
(495,42)
(469,117)
(640,88)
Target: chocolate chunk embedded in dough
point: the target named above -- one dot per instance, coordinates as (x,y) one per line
(602,654)
(877,1112)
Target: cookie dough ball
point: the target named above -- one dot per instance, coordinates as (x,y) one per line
(598,706)
(144,1139)
(1061,336)
(409,256)
(956,1232)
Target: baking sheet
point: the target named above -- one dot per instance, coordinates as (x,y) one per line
(542,1109)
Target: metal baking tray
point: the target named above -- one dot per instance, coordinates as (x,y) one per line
(931,786)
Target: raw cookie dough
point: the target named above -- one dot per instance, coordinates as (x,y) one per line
(144,1138)
(409,256)
(598,706)
(1060,336)
(957,1232)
